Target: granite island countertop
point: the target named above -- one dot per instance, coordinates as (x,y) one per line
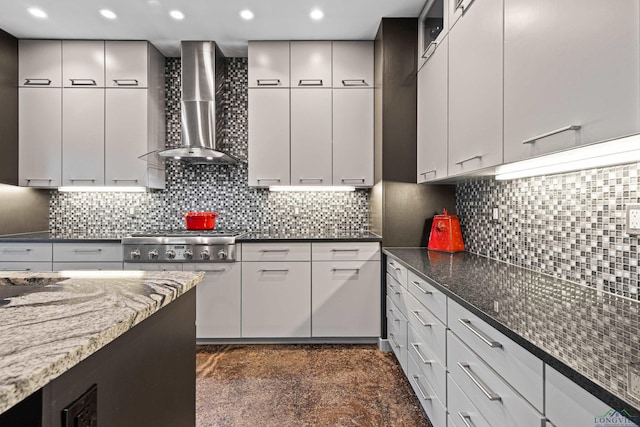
(588,335)
(50,323)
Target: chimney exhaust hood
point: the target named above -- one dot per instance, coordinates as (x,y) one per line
(202,110)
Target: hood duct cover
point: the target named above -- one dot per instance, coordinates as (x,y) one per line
(202,109)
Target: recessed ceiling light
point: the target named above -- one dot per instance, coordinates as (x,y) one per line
(38,13)
(108,14)
(246,14)
(176,14)
(316,14)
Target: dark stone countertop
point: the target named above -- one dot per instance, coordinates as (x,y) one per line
(589,335)
(324,236)
(48,237)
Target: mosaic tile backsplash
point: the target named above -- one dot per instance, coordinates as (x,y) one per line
(571,225)
(218,188)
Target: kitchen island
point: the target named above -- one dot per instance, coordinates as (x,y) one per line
(130,333)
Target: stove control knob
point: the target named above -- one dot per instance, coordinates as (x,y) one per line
(135,254)
(171,254)
(153,254)
(188,254)
(222,254)
(204,254)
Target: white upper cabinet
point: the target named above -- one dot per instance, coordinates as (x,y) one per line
(82,63)
(40,63)
(571,72)
(311,64)
(126,63)
(457,8)
(269,64)
(353,137)
(311,135)
(475,88)
(433,25)
(432,116)
(352,64)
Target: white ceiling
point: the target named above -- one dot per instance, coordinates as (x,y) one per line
(216,20)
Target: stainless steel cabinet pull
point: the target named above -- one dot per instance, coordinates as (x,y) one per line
(417,316)
(15,251)
(395,319)
(80,180)
(478,382)
(310,82)
(460,5)
(273,250)
(15,269)
(37,82)
(273,270)
(394,290)
(311,179)
(553,132)
(87,251)
(217,270)
(268,82)
(125,82)
(424,396)
(468,160)
(362,180)
(345,250)
(357,270)
(424,291)
(428,51)
(487,340)
(124,180)
(393,341)
(354,82)
(83,82)
(466,419)
(422,359)
(268,179)
(39,179)
(433,171)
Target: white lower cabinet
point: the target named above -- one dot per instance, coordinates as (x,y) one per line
(26,266)
(87,256)
(435,409)
(397,333)
(218,301)
(153,266)
(462,413)
(432,370)
(276,299)
(25,256)
(61,266)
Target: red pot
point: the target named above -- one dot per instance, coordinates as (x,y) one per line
(200,220)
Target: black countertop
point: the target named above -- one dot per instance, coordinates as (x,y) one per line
(324,236)
(48,237)
(589,335)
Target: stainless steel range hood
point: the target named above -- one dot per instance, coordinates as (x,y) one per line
(203,79)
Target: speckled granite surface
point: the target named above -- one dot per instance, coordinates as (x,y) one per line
(49,323)
(322,235)
(592,337)
(46,236)
(303,385)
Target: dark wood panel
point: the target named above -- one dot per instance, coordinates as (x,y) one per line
(8,108)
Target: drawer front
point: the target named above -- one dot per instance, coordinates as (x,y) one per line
(276,251)
(397,293)
(432,333)
(498,403)
(515,364)
(107,265)
(26,252)
(394,314)
(397,271)
(397,333)
(364,251)
(428,295)
(26,266)
(461,410)
(153,266)
(74,252)
(432,406)
(434,373)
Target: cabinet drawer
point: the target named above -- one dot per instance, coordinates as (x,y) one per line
(276,252)
(432,333)
(397,333)
(519,367)
(106,265)
(26,252)
(153,266)
(498,403)
(434,373)
(397,271)
(461,410)
(432,406)
(364,251)
(74,252)
(394,314)
(396,293)
(428,295)
(26,266)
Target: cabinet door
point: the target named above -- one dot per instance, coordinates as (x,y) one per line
(352,64)
(345,299)
(268,137)
(40,137)
(125,137)
(560,72)
(40,63)
(353,137)
(311,137)
(311,64)
(83,137)
(218,300)
(432,28)
(432,115)
(475,88)
(126,63)
(269,64)
(95,265)
(276,299)
(82,63)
